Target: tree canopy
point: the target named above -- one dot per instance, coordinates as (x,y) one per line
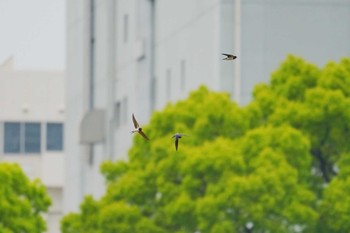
(22,202)
(279,164)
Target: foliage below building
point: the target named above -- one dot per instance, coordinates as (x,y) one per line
(279,164)
(22,202)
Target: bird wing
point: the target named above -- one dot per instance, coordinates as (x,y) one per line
(226,54)
(176,143)
(135,122)
(143,135)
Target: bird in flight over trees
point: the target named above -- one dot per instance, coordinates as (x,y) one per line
(177,136)
(138,129)
(229,56)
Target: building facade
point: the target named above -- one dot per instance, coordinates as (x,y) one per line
(31,129)
(134,56)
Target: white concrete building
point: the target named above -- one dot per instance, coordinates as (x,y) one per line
(31,129)
(127,56)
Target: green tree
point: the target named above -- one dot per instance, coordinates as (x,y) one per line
(315,101)
(273,163)
(22,202)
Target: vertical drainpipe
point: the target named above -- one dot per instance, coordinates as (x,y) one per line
(111,51)
(92,70)
(237,33)
(92,55)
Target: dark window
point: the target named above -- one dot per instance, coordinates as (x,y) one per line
(32,137)
(183,74)
(153,92)
(54,137)
(168,84)
(125,110)
(126,28)
(117,114)
(12,137)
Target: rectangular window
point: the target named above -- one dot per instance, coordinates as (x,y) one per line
(54,136)
(126,28)
(12,137)
(32,138)
(125,110)
(183,74)
(168,84)
(153,93)
(117,114)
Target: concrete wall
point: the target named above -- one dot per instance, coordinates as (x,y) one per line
(188,32)
(76,98)
(317,30)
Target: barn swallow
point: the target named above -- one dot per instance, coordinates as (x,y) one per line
(138,129)
(177,136)
(229,56)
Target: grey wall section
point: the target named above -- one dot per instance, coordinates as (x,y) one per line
(189,31)
(227,44)
(317,30)
(143,55)
(76,100)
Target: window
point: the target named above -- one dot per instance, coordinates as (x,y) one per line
(32,138)
(54,136)
(153,92)
(183,74)
(12,137)
(126,29)
(26,137)
(117,114)
(125,110)
(168,84)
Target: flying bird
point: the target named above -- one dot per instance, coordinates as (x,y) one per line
(177,136)
(229,56)
(138,129)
